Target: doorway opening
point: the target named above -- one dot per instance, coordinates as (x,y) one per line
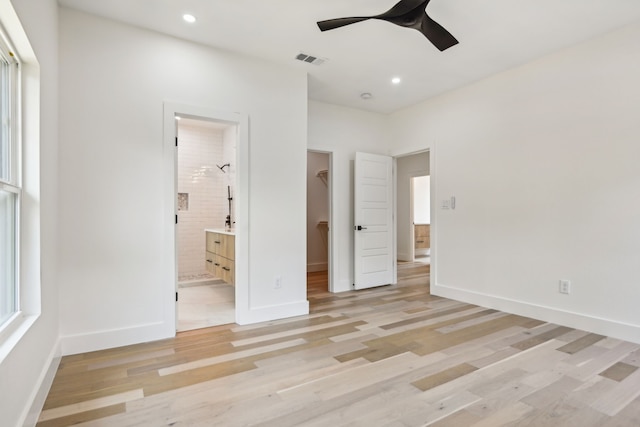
(205,229)
(318,222)
(421,217)
(413,220)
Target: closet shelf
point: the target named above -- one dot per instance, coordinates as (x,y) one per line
(322,174)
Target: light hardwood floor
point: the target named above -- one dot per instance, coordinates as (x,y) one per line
(391,356)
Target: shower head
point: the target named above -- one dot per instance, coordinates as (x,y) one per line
(223,166)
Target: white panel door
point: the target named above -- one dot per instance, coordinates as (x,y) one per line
(373,208)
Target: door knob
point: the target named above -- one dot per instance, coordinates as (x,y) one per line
(360,228)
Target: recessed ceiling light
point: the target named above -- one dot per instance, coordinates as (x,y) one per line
(189,18)
(178,118)
(396,80)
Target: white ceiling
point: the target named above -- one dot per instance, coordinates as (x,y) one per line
(494,35)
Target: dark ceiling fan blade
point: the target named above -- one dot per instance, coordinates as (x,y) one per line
(331,24)
(408,14)
(437,34)
(403,7)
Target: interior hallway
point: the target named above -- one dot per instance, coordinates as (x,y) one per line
(394,355)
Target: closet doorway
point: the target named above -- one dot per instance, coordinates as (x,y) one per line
(318,222)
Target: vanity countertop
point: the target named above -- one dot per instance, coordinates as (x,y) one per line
(231,232)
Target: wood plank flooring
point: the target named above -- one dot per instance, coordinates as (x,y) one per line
(390,356)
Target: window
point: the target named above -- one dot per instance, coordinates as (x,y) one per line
(10,182)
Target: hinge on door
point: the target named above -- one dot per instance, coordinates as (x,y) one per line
(176,218)
(176,141)
(176,297)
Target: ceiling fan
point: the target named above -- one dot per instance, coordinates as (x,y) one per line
(406,13)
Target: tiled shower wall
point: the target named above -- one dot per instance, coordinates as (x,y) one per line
(229,156)
(200,149)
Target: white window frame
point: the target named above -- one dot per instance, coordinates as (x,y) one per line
(13,182)
(25,181)
(16,256)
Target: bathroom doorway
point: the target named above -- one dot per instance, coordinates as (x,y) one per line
(205,229)
(421,217)
(413,207)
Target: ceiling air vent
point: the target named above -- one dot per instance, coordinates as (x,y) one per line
(310,59)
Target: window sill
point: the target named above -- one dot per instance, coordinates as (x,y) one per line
(13,331)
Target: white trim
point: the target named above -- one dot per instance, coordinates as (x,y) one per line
(266,313)
(42,387)
(412,229)
(112,338)
(394,220)
(26,165)
(599,325)
(404,256)
(433,228)
(10,188)
(13,330)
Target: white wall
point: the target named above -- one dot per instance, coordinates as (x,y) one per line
(26,367)
(407,167)
(317,210)
(543,162)
(343,131)
(116,276)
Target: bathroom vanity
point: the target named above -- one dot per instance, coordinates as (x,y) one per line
(220,254)
(422,235)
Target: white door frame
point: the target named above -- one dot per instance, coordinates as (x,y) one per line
(412,231)
(331,237)
(241,196)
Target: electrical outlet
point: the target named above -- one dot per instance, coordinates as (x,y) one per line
(278,283)
(565,287)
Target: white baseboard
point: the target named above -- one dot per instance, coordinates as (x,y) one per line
(43,386)
(272,312)
(82,343)
(608,327)
(317,266)
(403,256)
(343,286)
